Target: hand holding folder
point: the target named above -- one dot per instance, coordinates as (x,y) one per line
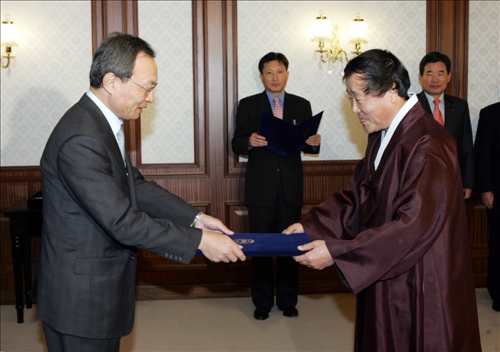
(284,138)
(269,244)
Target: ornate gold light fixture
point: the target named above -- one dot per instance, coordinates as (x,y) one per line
(9,35)
(322,33)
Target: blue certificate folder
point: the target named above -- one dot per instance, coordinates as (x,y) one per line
(284,138)
(269,244)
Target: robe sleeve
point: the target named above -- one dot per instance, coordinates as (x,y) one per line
(390,245)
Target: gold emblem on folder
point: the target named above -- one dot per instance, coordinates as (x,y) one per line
(244,241)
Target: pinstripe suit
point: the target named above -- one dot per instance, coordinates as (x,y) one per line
(96,213)
(273,194)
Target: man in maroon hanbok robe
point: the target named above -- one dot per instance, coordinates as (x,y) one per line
(398,233)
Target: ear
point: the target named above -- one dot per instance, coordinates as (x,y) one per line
(108,82)
(394,93)
(449,78)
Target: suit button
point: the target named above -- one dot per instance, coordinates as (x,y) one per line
(132,257)
(180,259)
(278,170)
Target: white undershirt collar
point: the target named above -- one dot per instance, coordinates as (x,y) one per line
(114,122)
(387,134)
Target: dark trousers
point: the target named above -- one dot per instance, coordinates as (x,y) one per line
(274,219)
(493,278)
(57,342)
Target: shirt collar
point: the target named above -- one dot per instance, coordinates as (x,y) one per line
(387,135)
(270,96)
(114,122)
(430,99)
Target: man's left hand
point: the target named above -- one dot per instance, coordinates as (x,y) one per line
(314,141)
(317,257)
(207,222)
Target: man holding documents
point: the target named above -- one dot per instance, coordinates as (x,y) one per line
(273,183)
(397,234)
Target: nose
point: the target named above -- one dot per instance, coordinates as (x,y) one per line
(150,98)
(354,107)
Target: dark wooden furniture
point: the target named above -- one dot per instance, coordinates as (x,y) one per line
(24,224)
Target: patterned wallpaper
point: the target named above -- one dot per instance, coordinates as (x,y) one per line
(55,49)
(484,57)
(284,26)
(51,74)
(167,126)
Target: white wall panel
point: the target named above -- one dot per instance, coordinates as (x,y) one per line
(167,125)
(284,26)
(51,73)
(484,57)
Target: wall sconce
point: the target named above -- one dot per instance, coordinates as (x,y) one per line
(358,29)
(9,34)
(321,29)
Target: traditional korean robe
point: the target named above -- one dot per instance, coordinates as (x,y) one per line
(399,239)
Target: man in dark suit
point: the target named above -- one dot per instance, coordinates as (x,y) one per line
(273,184)
(487,153)
(435,74)
(98,209)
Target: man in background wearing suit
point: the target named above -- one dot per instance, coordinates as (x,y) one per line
(450,111)
(98,209)
(487,155)
(273,184)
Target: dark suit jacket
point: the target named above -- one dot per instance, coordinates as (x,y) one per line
(457,123)
(487,151)
(95,215)
(265,169)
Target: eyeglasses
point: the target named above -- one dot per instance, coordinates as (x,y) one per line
(148,90)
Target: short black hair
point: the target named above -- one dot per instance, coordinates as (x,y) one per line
(117,54)
(381,70)
(435,56)
(271,57)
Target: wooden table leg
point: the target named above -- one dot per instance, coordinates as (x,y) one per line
(18,275)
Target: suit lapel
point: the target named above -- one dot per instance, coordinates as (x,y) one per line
(449,110)
(103,126)
(265,105)
(131,183)
(288,106)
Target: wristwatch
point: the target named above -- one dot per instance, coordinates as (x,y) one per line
(196,218)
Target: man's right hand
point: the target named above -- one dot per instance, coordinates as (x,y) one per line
(487,199)
(218,247)
(256,140)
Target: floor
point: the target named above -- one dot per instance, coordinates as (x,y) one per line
(325,323)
